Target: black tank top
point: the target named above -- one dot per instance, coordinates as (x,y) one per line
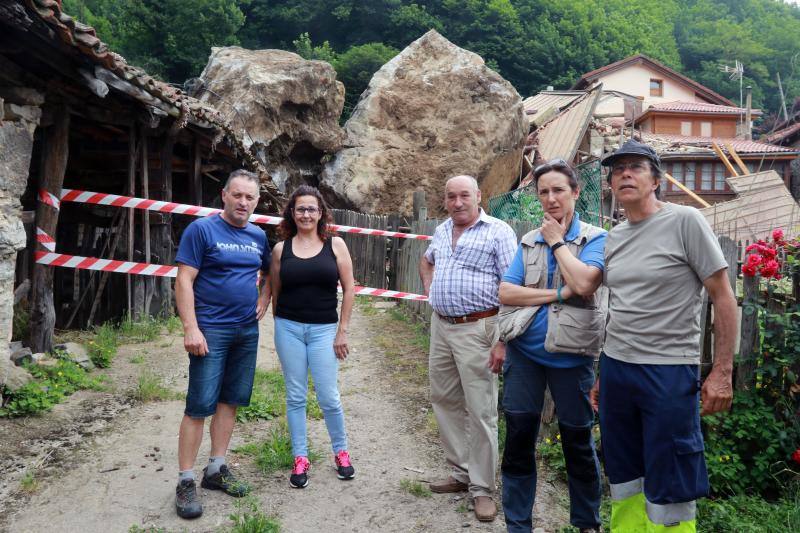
(308,286)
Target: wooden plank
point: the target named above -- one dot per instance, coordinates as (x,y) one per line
(195,175)
(132,155)
(56,146)
(724,160)
(732,152)
(745,372)
(688,191)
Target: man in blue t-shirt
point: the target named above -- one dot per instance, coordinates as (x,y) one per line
(220,299)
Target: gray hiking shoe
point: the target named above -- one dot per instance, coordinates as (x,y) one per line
(225,481)
(186,501)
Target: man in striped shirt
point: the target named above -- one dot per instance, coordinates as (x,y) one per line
(461,273)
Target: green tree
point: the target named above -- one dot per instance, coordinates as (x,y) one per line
(173,38)
(355,68)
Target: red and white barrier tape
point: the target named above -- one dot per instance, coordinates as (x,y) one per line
(45,240)
(146,269)
(88,197)
(49,199)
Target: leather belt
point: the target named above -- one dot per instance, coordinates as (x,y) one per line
(472,317)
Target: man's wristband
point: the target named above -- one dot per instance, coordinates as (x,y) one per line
(558,294)
(557,245)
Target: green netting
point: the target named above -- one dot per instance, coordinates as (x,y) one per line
(523,204)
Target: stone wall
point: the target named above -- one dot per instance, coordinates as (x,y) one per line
(17,126)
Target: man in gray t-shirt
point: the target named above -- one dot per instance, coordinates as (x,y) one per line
(657,263)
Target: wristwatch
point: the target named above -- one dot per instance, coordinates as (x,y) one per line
(557,245)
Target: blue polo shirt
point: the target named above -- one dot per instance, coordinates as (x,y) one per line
(531,342)
(228,259)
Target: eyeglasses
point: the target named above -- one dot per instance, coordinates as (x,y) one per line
(637,167)
(306,210)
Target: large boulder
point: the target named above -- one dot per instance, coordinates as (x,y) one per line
(285,107)
(432,112)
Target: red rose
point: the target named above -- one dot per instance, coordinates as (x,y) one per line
(777,235)
(769,268)
(796,456)
(749,270)
(769,253)
(754,260)
(750,248)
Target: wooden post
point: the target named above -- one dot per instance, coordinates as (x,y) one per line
(132,155)
(56,145)
(745,373)
(735,156)
(419,204)
(724,160)
(195,176)
(143,285)
(162,240)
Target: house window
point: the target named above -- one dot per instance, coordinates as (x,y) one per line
(705,129)
(656,87)
(689,174)
(719,177)
(686,128)
(706,176)
(677,173)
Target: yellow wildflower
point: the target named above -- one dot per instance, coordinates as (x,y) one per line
(558,436)
(548,441)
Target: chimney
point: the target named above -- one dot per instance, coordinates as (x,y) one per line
(748,125)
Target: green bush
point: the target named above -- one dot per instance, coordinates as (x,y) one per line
(50,386)
(103,347)
(274,453)
(249,518)
(750,514)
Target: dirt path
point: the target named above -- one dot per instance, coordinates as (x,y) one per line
(104,464)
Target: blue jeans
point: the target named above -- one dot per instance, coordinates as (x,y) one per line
(225,374)
(524,383)
(302,347)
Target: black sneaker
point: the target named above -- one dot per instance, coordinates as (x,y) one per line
(186,501)
(344,469)
(225,481)
(299,477)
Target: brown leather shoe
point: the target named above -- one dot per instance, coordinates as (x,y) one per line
(450,484)
(485,508)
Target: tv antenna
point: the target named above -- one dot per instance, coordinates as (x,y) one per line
(736,71)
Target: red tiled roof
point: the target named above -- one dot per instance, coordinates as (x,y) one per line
(782,133)
(742,146)
(700,107)
(641,58)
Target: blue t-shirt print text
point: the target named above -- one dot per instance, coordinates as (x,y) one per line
(228,259)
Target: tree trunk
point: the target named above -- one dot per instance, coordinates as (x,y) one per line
(43,315)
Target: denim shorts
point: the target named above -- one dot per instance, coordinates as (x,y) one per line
(225,374)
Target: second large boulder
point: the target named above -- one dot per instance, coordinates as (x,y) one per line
(432,112)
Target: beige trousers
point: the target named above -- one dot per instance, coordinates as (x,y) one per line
(464,398)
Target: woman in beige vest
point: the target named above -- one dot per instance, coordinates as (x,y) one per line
(553,322)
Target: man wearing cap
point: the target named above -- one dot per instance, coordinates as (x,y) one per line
(657,263)
(461,272)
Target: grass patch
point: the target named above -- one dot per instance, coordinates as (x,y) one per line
(103,347)
(420,338)
(749,514)
(145,329)
(150,388)
(365,306)
(415,488)
(274,453)
(249,518)
(149,529)
(137,359)
(268,398)
(51,385)
(29,484)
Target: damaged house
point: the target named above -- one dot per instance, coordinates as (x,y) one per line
(75,115)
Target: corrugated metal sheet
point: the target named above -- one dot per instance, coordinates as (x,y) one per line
(763,204)
(536,106)
(561,137)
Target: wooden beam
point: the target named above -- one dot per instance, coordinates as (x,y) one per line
(56,147)
(132,155)
(687,190)
(736,158)
(724,159)
(195,175)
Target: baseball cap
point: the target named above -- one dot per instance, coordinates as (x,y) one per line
(632,147)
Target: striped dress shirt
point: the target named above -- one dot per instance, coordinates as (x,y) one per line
(466,279)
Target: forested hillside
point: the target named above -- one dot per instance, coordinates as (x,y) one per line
(532,43)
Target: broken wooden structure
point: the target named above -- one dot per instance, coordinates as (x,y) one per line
(93,122)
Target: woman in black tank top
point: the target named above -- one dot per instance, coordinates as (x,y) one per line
(305,271)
